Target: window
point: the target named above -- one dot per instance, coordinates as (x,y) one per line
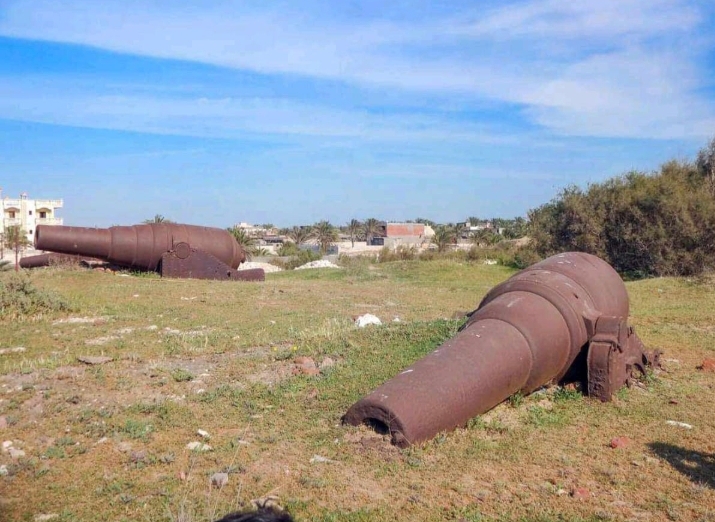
(43,215)
(30,212)
(30,232)
(12,214)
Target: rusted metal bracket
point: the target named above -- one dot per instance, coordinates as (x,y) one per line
(186,262)
(614,353)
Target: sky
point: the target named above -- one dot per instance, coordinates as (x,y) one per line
(214,113)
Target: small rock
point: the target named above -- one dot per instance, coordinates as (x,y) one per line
(620,442)
(673,401)
(396,320)
(102,440)
(367,319)
(679,424)
(3,470)
(3,422)
(327,363)
(6,445)
(580,493)
(708,365)
(124,447)
(137,456)
(561,492)
(198,446)
(203,433)
(219,480)
(182,475)
(15,453)
(270,501)
(17,349)
(319,459)
(91,359)
(45,517)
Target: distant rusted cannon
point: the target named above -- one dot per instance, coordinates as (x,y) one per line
(565,316)
(171,249)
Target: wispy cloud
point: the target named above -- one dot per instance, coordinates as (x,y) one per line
(623,68)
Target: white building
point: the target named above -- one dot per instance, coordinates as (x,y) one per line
(28,213)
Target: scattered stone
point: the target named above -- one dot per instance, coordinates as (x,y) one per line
(708,365)
(138,456)
(327,363)
(270,501)
(92,359)
(46,517)
(561,492)
(317,459)
(182,475)
(3,471)
(490,261)
(124,447)
(78,320)
(673,401)
(203,433)
(3,422)
(305,366)
(396,320)
(102,440)
(679,424)
(15,453)
(219,480)
(364,320)
(620,442)
(17,349)
(580,493)
(6,445)
(198,446)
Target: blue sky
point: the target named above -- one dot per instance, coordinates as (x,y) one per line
(292,112)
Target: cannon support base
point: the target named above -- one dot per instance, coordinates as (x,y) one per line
(186,262)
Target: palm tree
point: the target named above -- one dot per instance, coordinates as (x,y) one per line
(354,229)
(484,237)
(158,218)
(299,235)
(325,234)
(372,228)
(248,243)
(443,237)
(15,239)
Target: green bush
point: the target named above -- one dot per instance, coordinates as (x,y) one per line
(303,257)
(19,298)
(643,224)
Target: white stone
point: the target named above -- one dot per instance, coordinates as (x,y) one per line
(364,320)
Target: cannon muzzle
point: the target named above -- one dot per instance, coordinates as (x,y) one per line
(531,330)
(172,249)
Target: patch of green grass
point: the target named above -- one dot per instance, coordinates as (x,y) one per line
(182,375)
(137,429)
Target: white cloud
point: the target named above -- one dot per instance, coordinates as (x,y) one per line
(617,68)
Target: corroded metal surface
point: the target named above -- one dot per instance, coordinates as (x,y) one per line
(529,331)
(43,260)
(172,249)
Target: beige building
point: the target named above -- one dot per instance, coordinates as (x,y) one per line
(28,213)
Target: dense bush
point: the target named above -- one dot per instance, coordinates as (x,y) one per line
(301,258)
(642,224)
(19,298)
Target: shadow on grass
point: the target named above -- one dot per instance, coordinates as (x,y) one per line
(699,467)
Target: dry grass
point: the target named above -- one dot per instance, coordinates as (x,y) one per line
(108,442)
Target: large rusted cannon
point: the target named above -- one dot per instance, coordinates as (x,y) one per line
(171,249)
(565,316)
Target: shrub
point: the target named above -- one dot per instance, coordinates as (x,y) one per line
(19,298)
(642,224)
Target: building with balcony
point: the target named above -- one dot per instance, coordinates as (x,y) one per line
(28,213)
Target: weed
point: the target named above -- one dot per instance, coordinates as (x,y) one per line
(20,299)
(181,375)
(136,429)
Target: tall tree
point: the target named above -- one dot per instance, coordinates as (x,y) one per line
(443,237)
(325,234)
(372,228)
(248,243)
(354,228)
(158,218)
(15,239)
(299,235)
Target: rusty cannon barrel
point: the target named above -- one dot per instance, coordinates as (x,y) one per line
(564,315)
(172,249)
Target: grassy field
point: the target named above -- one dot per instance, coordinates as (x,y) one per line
(109,441)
